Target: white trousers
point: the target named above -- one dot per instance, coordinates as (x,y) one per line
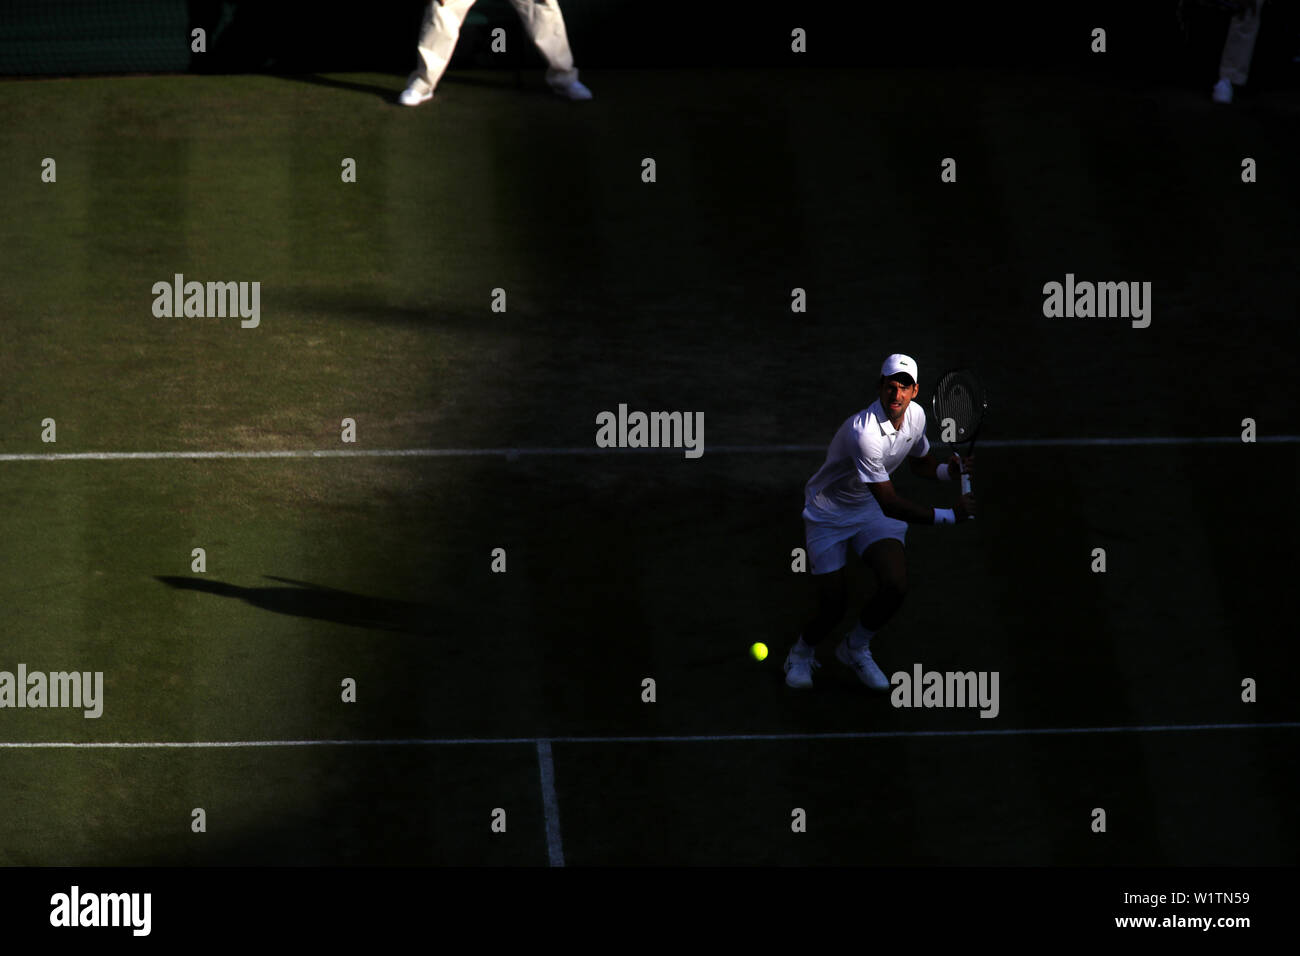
(1239,47)
(441,29)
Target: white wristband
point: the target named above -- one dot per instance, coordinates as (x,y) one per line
(944,516)
(942,472)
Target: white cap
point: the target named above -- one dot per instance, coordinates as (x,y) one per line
(899,363)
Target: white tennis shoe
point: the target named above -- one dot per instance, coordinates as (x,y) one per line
(415,94)
(1222,92)
(863,665)
(572,91)
(799,668)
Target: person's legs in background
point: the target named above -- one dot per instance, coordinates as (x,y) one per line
(545,26)
(1238,48)
(438,35)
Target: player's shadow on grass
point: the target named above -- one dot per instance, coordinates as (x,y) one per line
(351,306)
(389,94)
(320,603)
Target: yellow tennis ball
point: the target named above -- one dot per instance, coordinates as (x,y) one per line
(759,650)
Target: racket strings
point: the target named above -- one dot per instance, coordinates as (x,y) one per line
(956,400)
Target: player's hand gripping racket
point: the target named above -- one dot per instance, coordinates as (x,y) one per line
(959,406)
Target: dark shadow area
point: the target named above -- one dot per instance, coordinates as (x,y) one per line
(274,36)
(319,603)
(355,806)
(511,79)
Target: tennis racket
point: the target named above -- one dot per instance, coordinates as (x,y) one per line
(959,405)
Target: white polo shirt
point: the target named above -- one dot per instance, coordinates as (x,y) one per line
(867,448)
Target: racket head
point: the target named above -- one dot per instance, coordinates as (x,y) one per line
(959,395)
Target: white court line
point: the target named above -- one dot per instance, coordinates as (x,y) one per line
(554,848)
(714,738)
(556,452)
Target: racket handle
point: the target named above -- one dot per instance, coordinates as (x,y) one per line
(965,490)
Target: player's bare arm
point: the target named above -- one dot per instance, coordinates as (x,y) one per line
(899,508)
(927,466)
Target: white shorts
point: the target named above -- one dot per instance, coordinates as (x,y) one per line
(828,544)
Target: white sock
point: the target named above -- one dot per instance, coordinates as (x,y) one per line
(860,637)
(801,649)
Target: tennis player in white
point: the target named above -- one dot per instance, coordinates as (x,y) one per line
(851,501)
(440,30)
